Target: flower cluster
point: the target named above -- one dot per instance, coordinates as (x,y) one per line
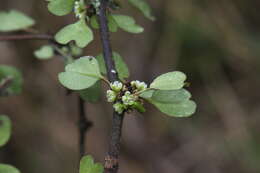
(79,9)
(126,96)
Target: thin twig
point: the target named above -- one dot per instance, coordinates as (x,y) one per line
(111,160)
(17,37)
(83,124)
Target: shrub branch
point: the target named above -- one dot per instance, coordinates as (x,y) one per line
(111,160)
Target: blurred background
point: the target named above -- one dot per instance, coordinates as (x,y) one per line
(216,43)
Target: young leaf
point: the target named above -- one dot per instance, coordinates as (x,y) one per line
(91,94)
(75,50)
(127,23)
(79,32)
(182,109)
(14,20)
(143,6)
(171,96)
(169,81)
(121,66)
(5,130)
(60,7)
(87,165)
(4,168)
(81,74)
(15,76)
(44,53)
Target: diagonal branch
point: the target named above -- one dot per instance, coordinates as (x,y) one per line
(17,37)
(111,160)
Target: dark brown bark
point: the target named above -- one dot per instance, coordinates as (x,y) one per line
(111,160)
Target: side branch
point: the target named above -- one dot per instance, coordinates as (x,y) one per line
(83,124)
(111,160)
(26,37)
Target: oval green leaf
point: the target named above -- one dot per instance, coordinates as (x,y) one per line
(171,96)
(5,130)
(4,168)
(14,21)
(78,32)
(183,109)
(81,74)
(169,81)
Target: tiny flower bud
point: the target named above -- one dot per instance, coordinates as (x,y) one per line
(140,86)
(111,96)
(79,8)
(116,86)
(128,99)
(119,107)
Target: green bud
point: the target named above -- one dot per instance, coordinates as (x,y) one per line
(119,107)
(128,98)
(140,86)
(79,9)
(139,107)
(116,86)
(111,96)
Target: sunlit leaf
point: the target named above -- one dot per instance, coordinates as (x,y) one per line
(5,130)
(14,20)
(81,74)
(169,81)
(78,32)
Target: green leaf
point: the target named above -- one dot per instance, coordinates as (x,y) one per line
(81,74)
(11,73)
(143,6)
(79,32)
(121,66)
(60,7)
(44,53)
(14,20)
(91,94)
(147,94)
(5,130)
(127,23)
(182,109)
(112,25)
(171,96)
(4,168)
(87,165)
(169,81)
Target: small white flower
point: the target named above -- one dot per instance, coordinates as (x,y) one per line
(79,9)
(140,86)
(111,96)
(116,86)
